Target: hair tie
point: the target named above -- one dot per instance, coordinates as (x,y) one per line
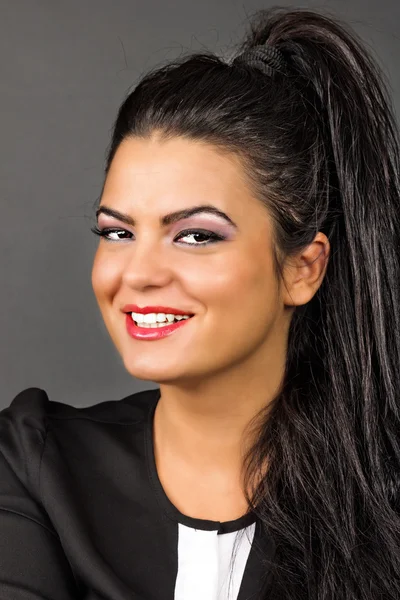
(267,59)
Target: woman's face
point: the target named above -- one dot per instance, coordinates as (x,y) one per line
(228,285)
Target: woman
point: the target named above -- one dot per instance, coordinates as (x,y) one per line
(249,264)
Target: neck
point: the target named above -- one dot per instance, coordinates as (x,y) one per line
(205,426)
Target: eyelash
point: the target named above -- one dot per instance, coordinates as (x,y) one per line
(213,236)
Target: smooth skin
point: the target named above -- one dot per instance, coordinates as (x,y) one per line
(218,370)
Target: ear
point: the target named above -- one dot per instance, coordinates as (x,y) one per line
(304,273)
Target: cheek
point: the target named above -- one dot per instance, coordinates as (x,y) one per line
(237,284)
(106,275)
(212,283)
(247,308)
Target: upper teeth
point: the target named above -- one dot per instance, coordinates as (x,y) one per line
(157,317)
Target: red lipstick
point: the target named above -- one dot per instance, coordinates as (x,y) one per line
(152,333)
(130,308)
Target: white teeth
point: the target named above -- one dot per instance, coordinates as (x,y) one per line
(156,319)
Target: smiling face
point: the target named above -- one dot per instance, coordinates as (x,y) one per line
(228,284)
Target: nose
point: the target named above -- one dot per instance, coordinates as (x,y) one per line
(146,265)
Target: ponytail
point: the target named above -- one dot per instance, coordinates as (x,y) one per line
(337,453)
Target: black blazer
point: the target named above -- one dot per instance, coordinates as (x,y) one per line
(83,513)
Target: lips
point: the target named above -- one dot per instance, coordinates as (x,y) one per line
(150,333)
(129,308)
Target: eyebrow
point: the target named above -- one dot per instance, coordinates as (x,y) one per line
(171,217)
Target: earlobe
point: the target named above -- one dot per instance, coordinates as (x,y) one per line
(305,273)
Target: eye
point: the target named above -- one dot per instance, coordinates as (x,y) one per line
(105,233)
(212,237)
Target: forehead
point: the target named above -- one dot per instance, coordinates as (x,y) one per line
(178,173)
(180,161)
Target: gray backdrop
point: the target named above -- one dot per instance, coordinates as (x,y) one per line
(65,67)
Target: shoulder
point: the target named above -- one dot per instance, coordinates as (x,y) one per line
(32,409)
(25,423)
(23,427)
(22,436)
(26,412)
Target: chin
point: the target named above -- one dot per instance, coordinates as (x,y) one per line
(151,372)
(173,373)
